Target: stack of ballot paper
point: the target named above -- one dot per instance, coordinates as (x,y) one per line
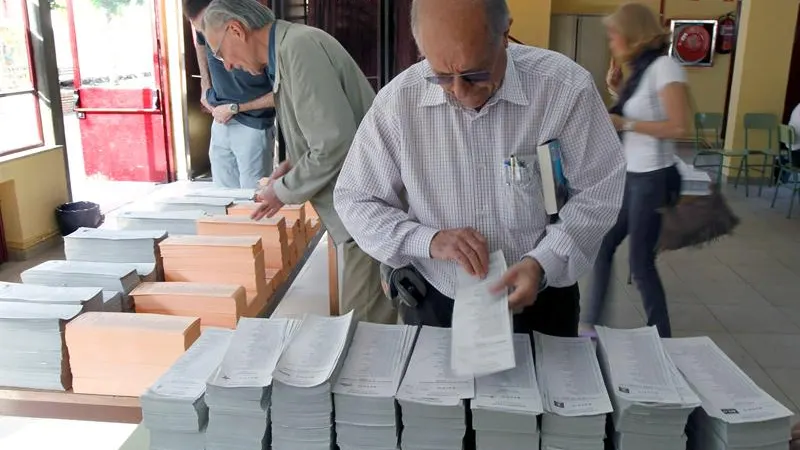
(174,408)
(237,260)
(209,205)
(274,239)
(112,301)
(507,404)
(217,305)
(119,246)
(735,412)
(108,276)
(432,397)
(295,225)
(32,350)
(123,354)
(174,222)
(220,192)
(482,324)
(302,403)
(239,393)
(89,298)
(573,393)
(366,415)
(652,401)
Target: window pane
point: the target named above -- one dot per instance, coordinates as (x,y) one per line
(14,68)
(19,122)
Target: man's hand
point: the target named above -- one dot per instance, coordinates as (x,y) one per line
(222,113)
(523,279)
(465,246)
(204,100)
(269,205)
(282,169)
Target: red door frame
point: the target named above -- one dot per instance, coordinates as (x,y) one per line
(160,74)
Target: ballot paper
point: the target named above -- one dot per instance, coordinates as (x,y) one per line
(432,397)
(507,404)
(91,299)
(366,413)
(175,402)
(735,412)
(107,245)
(482,342)
(429,378)
(574,394)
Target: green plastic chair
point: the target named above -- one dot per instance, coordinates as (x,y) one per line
(704,123)
(786,136)
(754,122)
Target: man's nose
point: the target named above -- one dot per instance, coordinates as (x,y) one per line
(461,88)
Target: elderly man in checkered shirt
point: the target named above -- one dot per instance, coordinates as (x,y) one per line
(424,186)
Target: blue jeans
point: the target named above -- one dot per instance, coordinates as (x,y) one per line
(240,156)
(640,220)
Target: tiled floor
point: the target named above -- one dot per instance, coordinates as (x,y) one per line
(743,292)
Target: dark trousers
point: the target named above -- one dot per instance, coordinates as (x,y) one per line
(556,312)
(639,220)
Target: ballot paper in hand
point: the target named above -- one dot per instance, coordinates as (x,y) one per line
(482,341)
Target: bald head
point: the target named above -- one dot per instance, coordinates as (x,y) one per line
(488,19)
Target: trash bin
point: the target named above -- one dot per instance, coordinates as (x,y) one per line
(71,216)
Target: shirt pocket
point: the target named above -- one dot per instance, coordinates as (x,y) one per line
(523,204)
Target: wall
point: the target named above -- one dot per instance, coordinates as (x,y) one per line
(531,21)
(32,185)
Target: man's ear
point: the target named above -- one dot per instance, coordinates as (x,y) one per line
(507,32)
(237,30)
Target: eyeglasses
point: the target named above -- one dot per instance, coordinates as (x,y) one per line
(215,53)
(470,77)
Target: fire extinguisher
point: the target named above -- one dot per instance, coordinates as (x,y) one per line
(727,34)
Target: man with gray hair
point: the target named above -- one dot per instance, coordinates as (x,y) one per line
(321,96)
(443,169)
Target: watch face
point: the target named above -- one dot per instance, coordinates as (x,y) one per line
(235,108)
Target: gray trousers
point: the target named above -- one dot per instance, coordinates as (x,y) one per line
(361,287)
(240,156)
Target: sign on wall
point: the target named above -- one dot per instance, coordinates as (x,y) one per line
(693,42)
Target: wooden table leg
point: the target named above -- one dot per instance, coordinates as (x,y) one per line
(333,277)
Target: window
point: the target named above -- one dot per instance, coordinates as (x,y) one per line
(20,122)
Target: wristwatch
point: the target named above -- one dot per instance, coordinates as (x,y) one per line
(628,125)
(235,108)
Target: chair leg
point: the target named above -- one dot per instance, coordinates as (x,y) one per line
(791,201)
(739,173)
(777,188)
(746,177)
(630,277)
(765,177)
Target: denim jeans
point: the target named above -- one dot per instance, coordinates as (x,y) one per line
(640,220)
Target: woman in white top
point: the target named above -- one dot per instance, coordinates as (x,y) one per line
(651,110)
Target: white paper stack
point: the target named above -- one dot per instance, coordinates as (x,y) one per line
(735,412)
(89,298)
(652,401)
(432,397)
(175,222)
(174,408)
(108,276)
(238,395)
(693,181)
(209,205)
(366,413)
(507,404)
(482,324)
(119,246)
(32,353)
(227,193)
(302,401)
(112,301)
(573,393)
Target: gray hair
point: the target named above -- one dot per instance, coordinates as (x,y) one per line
(250,13)
(497,17)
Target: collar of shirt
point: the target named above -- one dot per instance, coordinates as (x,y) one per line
(271,54)
(510,91)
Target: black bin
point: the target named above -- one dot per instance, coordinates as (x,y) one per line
(71,216)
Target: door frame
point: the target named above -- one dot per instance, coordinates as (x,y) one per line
(160,75)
